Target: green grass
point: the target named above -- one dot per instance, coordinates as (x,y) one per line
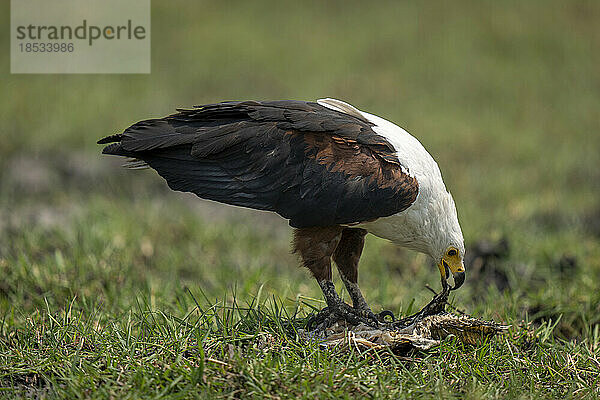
(113,286)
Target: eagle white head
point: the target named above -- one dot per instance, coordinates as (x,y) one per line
(446,243)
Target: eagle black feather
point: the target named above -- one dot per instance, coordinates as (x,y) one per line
(312,165)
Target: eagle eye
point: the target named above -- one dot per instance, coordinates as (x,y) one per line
(452,252)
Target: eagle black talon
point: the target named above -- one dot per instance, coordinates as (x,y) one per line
(317,319)
(386,313)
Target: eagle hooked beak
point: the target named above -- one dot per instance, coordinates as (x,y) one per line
(450,262)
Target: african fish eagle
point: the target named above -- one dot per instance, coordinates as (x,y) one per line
(335,172)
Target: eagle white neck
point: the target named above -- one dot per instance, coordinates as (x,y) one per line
(430,224)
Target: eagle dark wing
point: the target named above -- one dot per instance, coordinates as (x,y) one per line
(310,164)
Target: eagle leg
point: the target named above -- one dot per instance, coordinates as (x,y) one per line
(316,247)
(346,256)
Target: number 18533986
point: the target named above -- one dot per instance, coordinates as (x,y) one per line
(46,47)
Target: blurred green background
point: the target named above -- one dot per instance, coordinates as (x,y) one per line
(504,95)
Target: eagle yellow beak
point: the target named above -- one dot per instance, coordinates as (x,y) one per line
(455,265)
